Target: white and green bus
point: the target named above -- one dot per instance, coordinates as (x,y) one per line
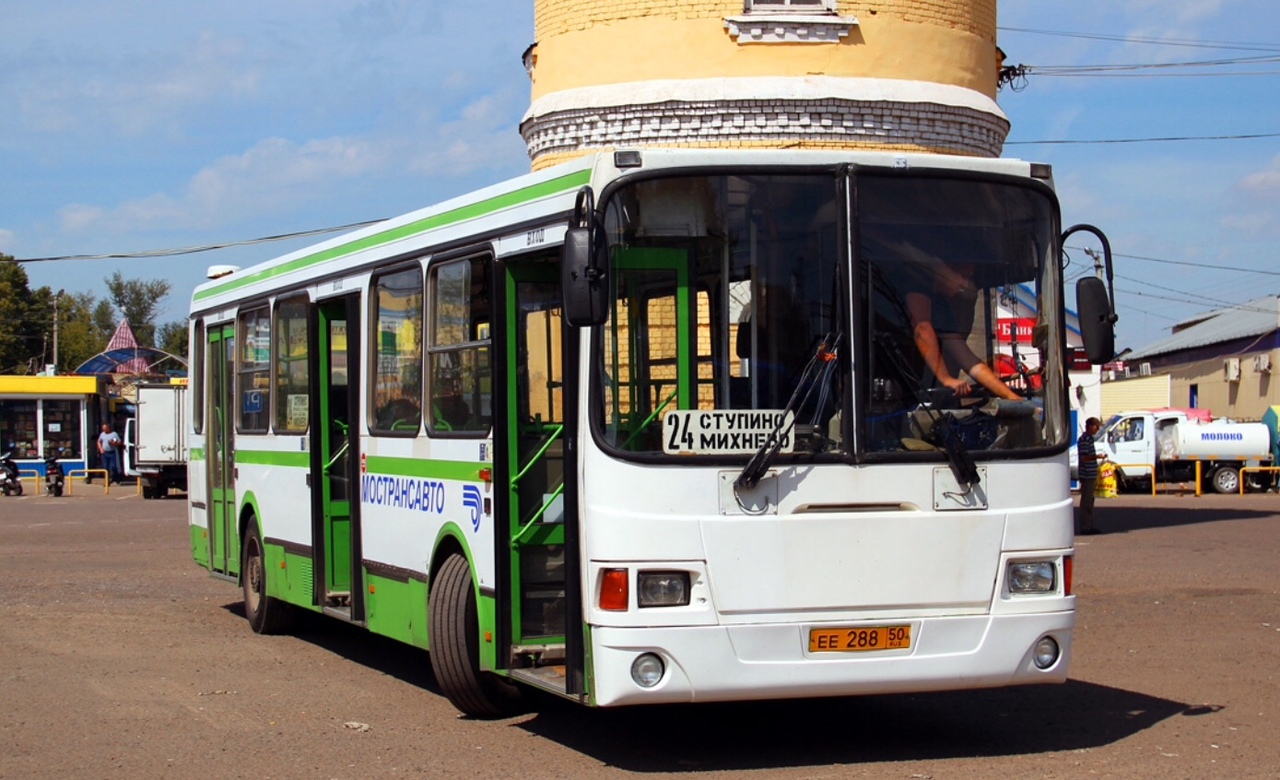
(659,426)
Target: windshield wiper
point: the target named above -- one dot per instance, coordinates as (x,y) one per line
(943,424)
(820,365)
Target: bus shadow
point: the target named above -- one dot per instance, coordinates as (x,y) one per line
(859,730)
(1126,517)
(796,733)
(404,662)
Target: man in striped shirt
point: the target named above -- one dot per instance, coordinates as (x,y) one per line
(1087,458)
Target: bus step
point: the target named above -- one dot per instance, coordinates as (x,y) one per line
(548,678)
(342,613)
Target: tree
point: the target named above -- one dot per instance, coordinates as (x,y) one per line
(173,337)
(138,301)
(21,319)
(80,336)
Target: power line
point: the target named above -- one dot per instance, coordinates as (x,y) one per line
(191,250)
(1213,266)
(1183,42)
(1058,70)
(1155,139)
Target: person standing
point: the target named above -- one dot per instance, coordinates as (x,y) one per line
(1087,458)
(109,445)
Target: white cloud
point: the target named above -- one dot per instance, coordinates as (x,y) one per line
(274,176)
(1263,184)
(1256,198)
(131,93)
(7,240)
(279,177)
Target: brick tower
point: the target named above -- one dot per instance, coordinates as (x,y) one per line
(908,75)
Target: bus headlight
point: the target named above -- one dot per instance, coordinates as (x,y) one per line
(662,588)
(647,670)
(1033,577)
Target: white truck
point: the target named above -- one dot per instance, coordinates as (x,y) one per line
(156,439)
(1173,443)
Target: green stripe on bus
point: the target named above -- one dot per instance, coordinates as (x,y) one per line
(197,453)
(268,458)
(461,214)
(417,467)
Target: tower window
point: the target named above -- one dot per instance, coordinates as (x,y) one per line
(773,6)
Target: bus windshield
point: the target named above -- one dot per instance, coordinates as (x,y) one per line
(916,309)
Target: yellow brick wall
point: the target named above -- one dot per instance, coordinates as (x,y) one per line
(599,45)
(556,17)
(973,16)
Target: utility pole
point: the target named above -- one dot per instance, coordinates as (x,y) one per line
(56,297)
(1097,261)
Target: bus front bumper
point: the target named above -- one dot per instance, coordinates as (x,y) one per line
(773,661)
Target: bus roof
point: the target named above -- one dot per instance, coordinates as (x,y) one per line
(525,199)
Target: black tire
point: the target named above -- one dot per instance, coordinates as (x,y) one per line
(17,488)
(1226,480)
(267,615)
(454,632)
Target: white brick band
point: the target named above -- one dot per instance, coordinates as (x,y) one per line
(821,111)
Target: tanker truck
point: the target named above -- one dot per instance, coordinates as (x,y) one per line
(1173,443)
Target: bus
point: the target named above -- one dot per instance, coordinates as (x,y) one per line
(656,426)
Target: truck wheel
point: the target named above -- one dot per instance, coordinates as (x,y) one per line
(1226,480)
(266,615)
(454,632)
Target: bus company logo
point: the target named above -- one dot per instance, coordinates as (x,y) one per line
(471,500)
(1221,436)
(417,494)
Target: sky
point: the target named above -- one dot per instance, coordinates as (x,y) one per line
(142,125)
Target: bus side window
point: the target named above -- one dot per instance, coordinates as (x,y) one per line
(459,372)
(397,371)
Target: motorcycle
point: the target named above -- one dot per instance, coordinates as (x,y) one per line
(53,478)
(10,483)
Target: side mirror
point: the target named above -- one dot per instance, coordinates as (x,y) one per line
(584,266)
(1096,304)
(1097,322)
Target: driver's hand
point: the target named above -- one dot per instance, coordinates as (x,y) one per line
(958,386)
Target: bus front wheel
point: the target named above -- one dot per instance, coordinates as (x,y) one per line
(267,615)
(454,632)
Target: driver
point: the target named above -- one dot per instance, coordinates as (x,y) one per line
(941,321)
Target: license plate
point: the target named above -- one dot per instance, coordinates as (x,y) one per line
(859,640)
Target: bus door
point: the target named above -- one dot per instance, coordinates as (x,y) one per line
(334,457)
(224,536)
(649,344)
(536,443)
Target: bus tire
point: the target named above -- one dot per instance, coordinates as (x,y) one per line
(267,615)
(1226,480)
(454,632)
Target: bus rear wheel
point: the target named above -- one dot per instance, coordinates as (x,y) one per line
(454,632)
(267,615)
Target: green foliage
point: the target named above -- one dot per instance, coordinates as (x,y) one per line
(85,323)
(173,337)
(21,320)
(80,336)
(138,301)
